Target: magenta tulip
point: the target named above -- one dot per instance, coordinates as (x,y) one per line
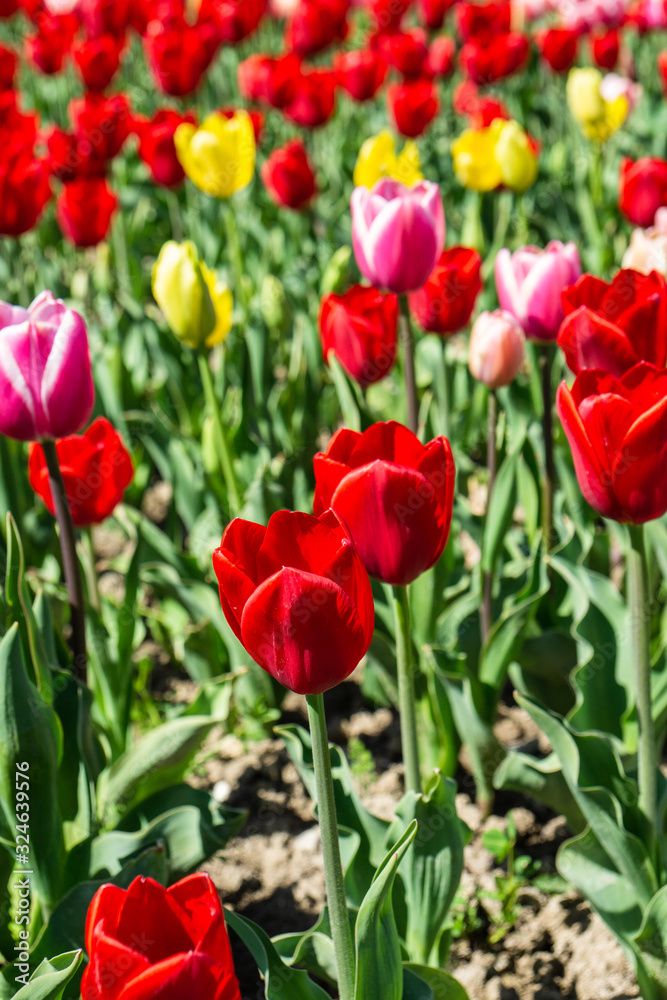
(530,281)
(46,385)
(398,233)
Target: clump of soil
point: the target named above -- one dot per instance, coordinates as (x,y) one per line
(557,949)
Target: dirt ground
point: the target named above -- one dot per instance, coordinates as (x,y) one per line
(557,949)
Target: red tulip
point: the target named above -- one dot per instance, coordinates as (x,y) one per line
(413,106)
(315,99)
(289,177)
(389,14)
(406,51)
(642,189)
(69,159)
(360,328)
(297,596)
(7,67)
(441,54)
(361,73)
(446,302)
(605,48)
(487,60)
(617,429)
(433,12)
(269,79)
(179,53)
(558,47)
(237,19)
(24,189)
(98,60)
(614,326)
(316,24)
(480,111)
(96,468)
(486,20)
(156,145)
(84,210)
(106,17)
(147,942)
(394,494)
(8,8)
(49,46)
(101,124)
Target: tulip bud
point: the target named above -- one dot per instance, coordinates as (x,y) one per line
(183,295)
(515,156)
(273,300)
(336,272)
(496,348)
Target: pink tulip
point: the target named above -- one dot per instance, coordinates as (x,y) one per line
(529,283)
(496,348)
(398,233)
(46,385)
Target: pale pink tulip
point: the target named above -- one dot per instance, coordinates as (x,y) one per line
(398,233)
(46,385)
(529,283)
(496,348)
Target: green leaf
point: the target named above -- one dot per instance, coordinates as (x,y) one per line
(348,405)
(431,869)
(379,971)
(49,980)
(542,779)
(651,942)
(31,734)
(20,600)
(157,760)
(281,982)
(312,950)
(420,982)
(503,501)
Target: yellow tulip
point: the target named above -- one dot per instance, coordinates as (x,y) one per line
(377,158)
(515,156)
(223,304)
(219,156)
(475,163)
(197,307)
(598,118)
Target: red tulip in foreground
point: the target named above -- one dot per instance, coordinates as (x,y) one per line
(617,429)
(360,328)
(147,942)
(397,233)
(394,494)
(46,386)
(96,468)
(289,177)
(446,302)
(296,594)
(613,326)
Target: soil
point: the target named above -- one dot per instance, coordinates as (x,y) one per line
(557,949)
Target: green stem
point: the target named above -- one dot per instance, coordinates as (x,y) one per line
(221,444)
(408,342)
(235,256)
(442,390)
(486,611)
(640,618)
(549,481)
(89,569)
(406,690)
(70,561)
(333,867)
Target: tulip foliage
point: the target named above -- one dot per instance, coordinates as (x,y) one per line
(333,371)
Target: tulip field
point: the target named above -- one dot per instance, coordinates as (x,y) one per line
(333,499)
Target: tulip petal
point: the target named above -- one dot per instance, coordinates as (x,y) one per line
(591,342)
(111,967)
(304,630)
(389,441)
(183,975)
(593,478)
(197,896)
(328,475)
(641,492)
(104,910)
(149,922)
